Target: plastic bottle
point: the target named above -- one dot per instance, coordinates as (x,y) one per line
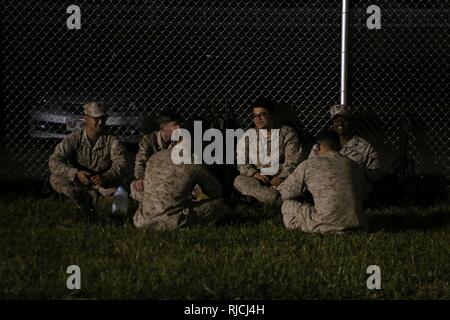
(120,201)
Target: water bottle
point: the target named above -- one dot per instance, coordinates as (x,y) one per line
(120,201)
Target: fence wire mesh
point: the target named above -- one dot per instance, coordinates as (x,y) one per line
(399,82)
(213,57)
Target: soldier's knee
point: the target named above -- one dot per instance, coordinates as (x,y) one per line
(288,210)
(62,185)
(290,222)
(288,207)
(138,222)
(239,181)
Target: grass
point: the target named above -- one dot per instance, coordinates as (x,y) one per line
(251,256)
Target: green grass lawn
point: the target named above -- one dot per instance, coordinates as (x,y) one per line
(251,256)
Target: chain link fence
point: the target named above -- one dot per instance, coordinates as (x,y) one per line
(212,58)
(399,86)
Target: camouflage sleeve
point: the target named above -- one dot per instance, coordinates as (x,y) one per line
(243,162)
(119,164)
(292,153)
(144,153)
(59,161)
(209,183)
(372,165)
(295,184)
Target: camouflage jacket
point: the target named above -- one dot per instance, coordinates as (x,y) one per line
(168,187)
(338,187)
(363,153)
(107,157)
(149,144)
(289,154)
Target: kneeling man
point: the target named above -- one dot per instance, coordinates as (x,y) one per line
(89,163)
(337,185)
(167,199)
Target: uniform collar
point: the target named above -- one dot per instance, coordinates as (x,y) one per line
(160,140)
(100,143)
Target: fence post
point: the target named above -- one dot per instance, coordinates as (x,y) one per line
(344,51)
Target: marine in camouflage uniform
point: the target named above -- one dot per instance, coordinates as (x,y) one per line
(251,182)
(149,145)
(338,187)
(167,199)
(104,161)
(354,147)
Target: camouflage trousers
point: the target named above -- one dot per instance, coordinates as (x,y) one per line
(249,186)
(72,189)
(139,195)
(298,216)
(195,213)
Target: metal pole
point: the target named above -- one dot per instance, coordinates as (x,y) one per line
(344,51)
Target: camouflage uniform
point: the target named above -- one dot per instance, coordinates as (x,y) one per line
(363,153)
(167,201)
(290,153)
(107,157)
(149,144)
(338,187)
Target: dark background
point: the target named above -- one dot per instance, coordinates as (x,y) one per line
(210,58)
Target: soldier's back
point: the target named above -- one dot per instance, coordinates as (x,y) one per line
(337,185)
(167,185)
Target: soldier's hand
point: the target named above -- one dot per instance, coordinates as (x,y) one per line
(139,185)
(263,179)
(83,177)
(97,180)
(276,181)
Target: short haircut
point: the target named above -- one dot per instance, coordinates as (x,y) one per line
(167,116)
(329,138)
(265,103)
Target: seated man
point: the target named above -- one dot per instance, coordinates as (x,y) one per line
(337,185)
(89,162)
(251,181)
(352,146)
(167,198)
(150,144)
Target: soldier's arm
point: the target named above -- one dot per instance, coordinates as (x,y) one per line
(292,153)
(209,183)
(144,153)
(295,184)
(59,161)
(243,161)
(119,164)
(372,164)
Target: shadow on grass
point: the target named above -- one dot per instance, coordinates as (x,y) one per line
(429,219)
(245,214)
